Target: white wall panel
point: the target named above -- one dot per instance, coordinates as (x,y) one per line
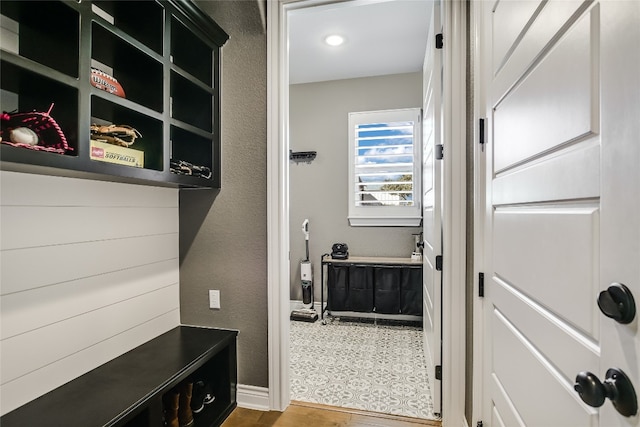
(42,266)
(551,246)
(27,226)
(20,189)
(89,271)
(50,376)
(28,352)
(26,311)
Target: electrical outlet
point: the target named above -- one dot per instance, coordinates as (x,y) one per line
(214,299)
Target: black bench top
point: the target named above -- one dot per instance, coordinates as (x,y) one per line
(120,387)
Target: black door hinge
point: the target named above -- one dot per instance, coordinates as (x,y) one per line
(439,262)
(481,133)
(439,152)
(439,372)
(439,41)
(481,285)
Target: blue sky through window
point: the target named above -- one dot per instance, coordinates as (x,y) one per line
(384,163)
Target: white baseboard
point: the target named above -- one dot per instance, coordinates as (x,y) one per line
(252,397)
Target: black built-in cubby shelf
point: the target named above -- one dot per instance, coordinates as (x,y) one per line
(168,69)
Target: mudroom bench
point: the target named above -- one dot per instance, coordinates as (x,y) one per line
(127,391)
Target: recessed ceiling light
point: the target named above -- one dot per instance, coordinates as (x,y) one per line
(334,40)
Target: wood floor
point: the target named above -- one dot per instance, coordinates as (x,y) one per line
(300,414)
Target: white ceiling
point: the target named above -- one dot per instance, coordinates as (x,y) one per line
(382,37)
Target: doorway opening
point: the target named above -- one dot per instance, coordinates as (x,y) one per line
(374,364)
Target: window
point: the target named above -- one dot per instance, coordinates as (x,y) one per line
(384,168)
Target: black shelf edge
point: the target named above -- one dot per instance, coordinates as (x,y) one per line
(127,103)
(188,181)
(201,21)
(39,69)
(193,79)
(69,170)
(193,129)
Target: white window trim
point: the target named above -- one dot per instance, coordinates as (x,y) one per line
(387,216)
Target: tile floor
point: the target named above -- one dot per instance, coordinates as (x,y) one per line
(373,366)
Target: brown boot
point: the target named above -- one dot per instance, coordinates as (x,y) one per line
(170,403)
(185,415)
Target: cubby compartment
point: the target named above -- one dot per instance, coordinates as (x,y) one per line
(139,75)
(24,91)
(46,32)
(190,103)
(150,142)
(221,383)
(190,53)
(142,20)
(192,148)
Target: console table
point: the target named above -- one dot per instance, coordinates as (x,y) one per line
(127,391)
(381,285)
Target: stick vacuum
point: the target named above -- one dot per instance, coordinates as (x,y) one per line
(307,313)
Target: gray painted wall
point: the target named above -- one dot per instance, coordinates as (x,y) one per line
(223,235)
(318,191)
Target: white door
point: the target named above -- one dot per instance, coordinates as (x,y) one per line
(432,202)
(562,82)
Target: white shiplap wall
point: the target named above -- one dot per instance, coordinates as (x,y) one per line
(88,271)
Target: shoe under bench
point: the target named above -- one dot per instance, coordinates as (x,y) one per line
(127,391)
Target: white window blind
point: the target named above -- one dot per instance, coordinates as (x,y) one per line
(385,168)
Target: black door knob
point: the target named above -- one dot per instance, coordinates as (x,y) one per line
(616,386)
(617,303)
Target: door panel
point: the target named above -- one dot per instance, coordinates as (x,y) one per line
(549,25)
(511,19)
(576,167)
(562,91)
(620,216)
(540,326)
(543,252)
(563,203)
(432,202)
(532,383)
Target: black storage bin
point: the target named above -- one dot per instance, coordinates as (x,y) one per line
(411,291)
(387,289)
(337,282)
(360,288)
